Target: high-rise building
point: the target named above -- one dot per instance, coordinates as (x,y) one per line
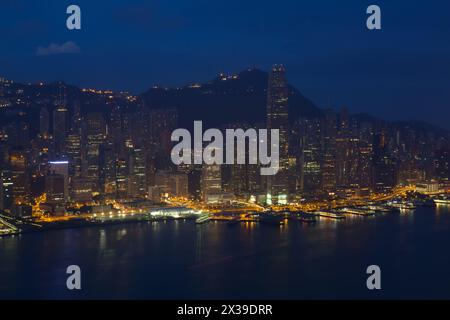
(18,134)
(172,183)
(245,178)
(61,168)
(342,145)
(384,166)
(365,158)
(442,164)
(59,129)
(137,173)
(80,190)
(77,118)
(96,130)
(20,176)
(6,189)
(211,183)
(55,189)
(310,154)
(108,168)
(122,178)
(44,122)
(162,124)
(74,154)
(278,118)
(329,152)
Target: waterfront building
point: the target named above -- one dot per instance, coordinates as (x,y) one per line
(277,117)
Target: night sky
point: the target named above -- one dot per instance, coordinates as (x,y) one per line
(400,72)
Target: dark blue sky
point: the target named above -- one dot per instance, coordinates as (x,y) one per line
(400,72)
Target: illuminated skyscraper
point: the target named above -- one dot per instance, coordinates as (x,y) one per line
(74,153)
(19,176)
(211,183)
(278,118)
(44,119)
(6,189)
(162,123)
(385,169)
(442,164)
(365,156)
(55,189)
(138,178)
(121,178)
(108,169)
(342,144)
(172,183)
(310,154)
(329,152)
(60,122)
(96,129)
(61,168)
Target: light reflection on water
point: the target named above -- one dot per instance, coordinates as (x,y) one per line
(179,259)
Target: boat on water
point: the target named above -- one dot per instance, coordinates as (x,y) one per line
(305,217)
(358,211)
(329,214)
(383,209)
(202,218)
(301,216)
(442,199)
(402,205)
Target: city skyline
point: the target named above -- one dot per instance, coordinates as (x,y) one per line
(118,145)
(233,150)
(193,84)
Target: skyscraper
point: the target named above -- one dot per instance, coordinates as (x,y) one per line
(96,128)
(211,183)
(329,152)
(55,186)
(60,122)
(19,176)
(44,118)
(278,118)
(6,189)
(310,154)
(61,168)
(74,153)
(137,173)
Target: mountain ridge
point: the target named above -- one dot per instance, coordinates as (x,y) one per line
(240,97)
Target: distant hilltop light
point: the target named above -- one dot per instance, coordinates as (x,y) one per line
(278,67)
(225,77)
(103,92)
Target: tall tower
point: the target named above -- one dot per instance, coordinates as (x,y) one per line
(278,118)
(211,182)
(60,121)
(329,152)
(44,118)
(96,129)
(137,185)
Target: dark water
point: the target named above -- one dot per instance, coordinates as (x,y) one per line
(188,261)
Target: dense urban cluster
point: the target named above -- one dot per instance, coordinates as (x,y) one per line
(62,147)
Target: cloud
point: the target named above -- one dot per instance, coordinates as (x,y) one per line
(65,48)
